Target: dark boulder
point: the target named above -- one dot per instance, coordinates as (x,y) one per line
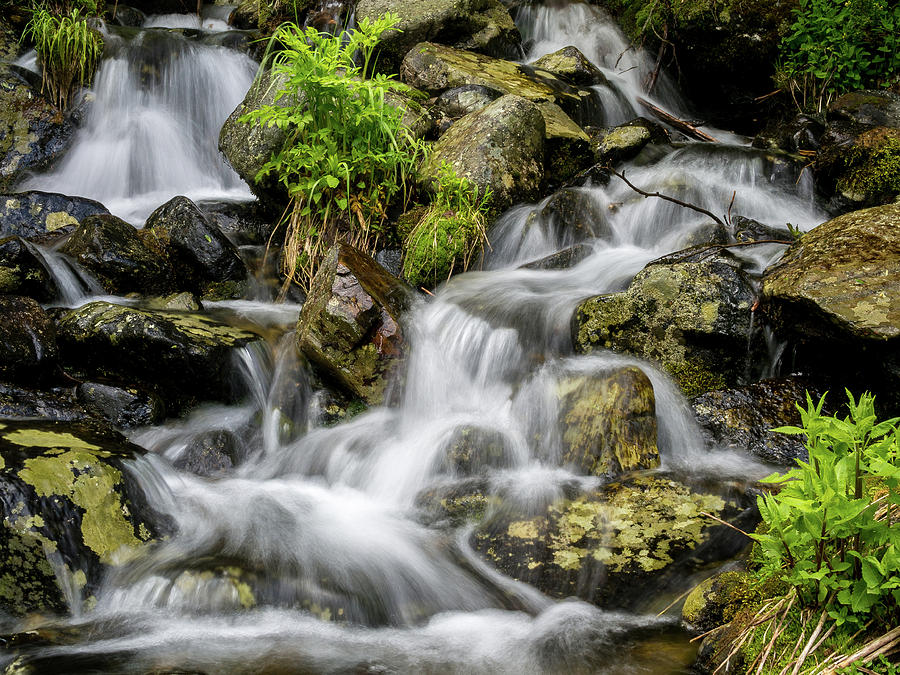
(56,404)
(197,250)
(28,351)
(350,323)
(44,215)
(561,260)
(112,251)
(210,454)
(22,272)
(124,407)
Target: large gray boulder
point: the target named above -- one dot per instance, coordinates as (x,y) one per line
(479,25)
(689,312)
(500,147)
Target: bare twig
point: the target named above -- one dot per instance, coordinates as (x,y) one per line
(667,198)
(685,127)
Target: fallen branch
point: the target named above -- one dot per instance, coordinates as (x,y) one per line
(684,127)
(644,193)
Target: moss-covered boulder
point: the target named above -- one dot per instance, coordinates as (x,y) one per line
(612,146)
(460,101)
(689,312)
(69,512)
(716,600)
(570,65)
(608,422)
(28,350)
(33,133)
(350,324)
(612,546)
(197,250)
(185,356)
(743,418)
(111,250)
(22,271)
(479,25)
(499,148)
(44,215)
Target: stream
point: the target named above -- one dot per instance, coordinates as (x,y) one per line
(326,518)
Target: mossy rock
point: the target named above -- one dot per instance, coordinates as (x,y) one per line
(625,141)
(439,245)
(112,251)
(611,546)
(608,422)
(350,324)
(498,148)
(455,504)
(22,272)
(571,65)
(43,216)
(718,599)
(69,513)
(690,313)
(182,356)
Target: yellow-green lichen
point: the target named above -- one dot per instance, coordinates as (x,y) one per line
(36,438)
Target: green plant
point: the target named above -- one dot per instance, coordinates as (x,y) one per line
(347,152)
(836,46)
(832,531)
(68,48)
(450,232)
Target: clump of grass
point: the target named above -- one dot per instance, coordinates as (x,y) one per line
(450,232)
(68,49)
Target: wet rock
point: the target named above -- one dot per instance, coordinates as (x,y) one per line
(435,68)
(575,215)
(69,513)
(858,163)
(626,140)
(803,133)
(743,418)
(499,148)
(44,215)
(613,546)
(33,132)
(350,323)
(562,260)
(267,15)
(479,25)
(197,250)
(178,302)
(183,356)
(56,404)
(567,146)
(128,16)
(747,229)
(210,454)
(243,223)
(469,98)
(112,251)
(454,504)
(123,407)
(23,273)
(608,423)
(28,350)
(472,450)
(10,46)
(716,600)
(689,312)
(571,65)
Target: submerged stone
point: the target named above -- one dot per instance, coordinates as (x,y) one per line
(69,512)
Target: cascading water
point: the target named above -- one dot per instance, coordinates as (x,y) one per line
(326,520)
(159,100)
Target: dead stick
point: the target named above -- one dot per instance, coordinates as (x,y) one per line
(682,126)
(727,524)
(667,198)
(812,640)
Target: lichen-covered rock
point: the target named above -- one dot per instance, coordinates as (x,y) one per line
(743,418)
(210,454)
(44,215)
(716,600)
(608,422)
(626,140)
(184,355)
(455,503)
(479,25)
(571,65)
(112,251)
(841,280)
(23,273)
(197,250)
(500,148)
(689,312)
(28,350)
(350,323)
(33,133)
(612,546)
(567,146)
(69,512)
(124,407)
(469,98)
(435,68)
(858,163)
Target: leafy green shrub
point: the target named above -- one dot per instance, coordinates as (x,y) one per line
(836,46)
(450,232)
(68,49)
(832,531)
(348,153)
